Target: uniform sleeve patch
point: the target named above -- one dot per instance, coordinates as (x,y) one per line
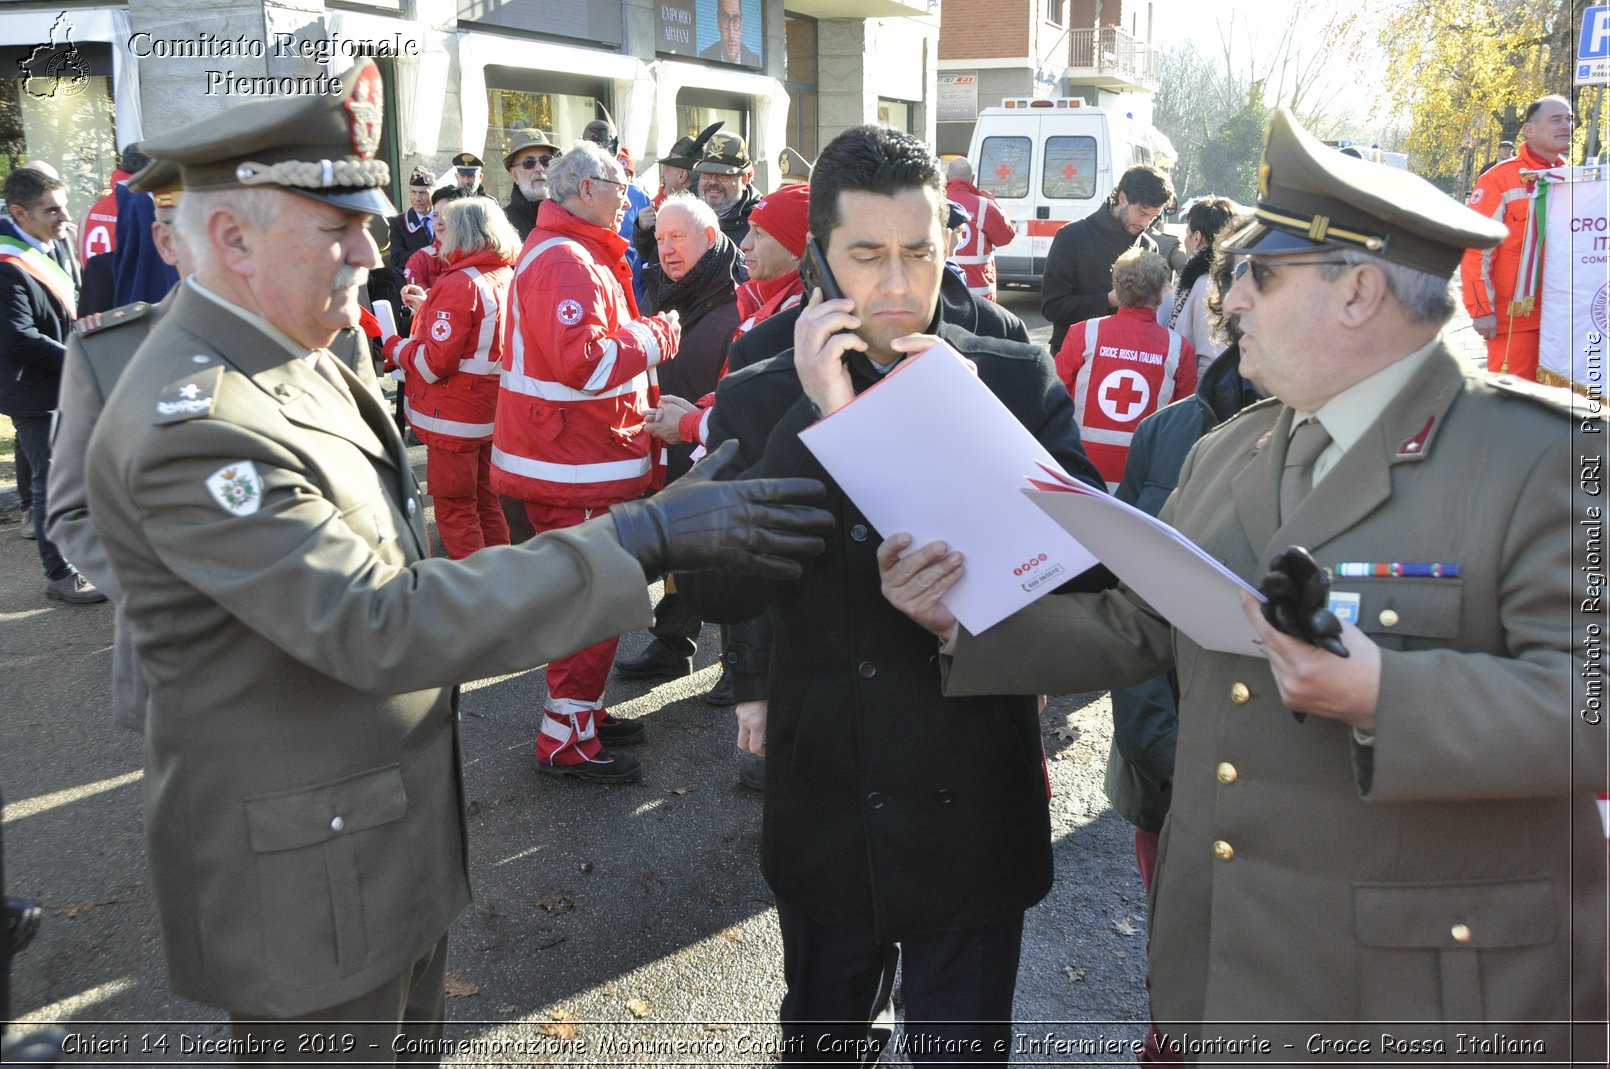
(569,311)
(1476,195)
(441,330)
(236,487)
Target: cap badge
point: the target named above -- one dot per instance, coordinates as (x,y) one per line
(365,108)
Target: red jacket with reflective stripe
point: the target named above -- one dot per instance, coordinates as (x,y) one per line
(987,227)
(1120,369)
(1488,275)
(453,360)
(577,370)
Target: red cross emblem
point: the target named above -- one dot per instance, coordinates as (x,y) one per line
(1123,396)
(1069,172)
(1003,172)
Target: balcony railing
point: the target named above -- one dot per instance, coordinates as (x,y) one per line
(1109,52)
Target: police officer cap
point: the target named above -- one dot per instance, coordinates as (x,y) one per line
(468,159)
(792,167)
(320,147)
(725,154)
(1310,196)
(681,155)
(524,139)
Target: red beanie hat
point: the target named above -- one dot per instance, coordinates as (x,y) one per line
(785,215)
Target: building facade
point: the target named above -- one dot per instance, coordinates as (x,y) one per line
(461,75)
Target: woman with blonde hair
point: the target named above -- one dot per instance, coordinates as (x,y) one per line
(450,366)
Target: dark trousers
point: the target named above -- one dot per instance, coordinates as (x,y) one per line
(33,443)
(957,988)
(676,625)
(398,1023)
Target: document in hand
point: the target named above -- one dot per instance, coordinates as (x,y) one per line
(932,452)
(1193,591)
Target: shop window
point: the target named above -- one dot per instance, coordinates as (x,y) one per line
(896,113)
(698,108)
(63,117)
(800,81)
(562,115)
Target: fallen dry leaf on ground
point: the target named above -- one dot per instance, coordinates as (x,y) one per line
(638,1007)
(461,987)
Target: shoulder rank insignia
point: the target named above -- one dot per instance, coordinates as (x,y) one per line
(189,396)
(118,317)
(236,487)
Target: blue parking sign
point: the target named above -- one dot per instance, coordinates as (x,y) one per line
(1595,40)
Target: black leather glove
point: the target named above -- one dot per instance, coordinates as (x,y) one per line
(760,526)
(1298,590)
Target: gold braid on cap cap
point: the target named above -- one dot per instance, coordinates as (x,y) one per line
(325,174)
(1318,228)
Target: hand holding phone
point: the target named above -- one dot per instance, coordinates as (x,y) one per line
(824,337)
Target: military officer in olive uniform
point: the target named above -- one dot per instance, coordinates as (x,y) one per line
(1423,846)
(302,792)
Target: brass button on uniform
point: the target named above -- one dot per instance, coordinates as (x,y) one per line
(1240,693)
(1226,772)
(1460,933)
(1223,851)
(1388,618)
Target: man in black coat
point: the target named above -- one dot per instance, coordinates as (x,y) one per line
(726,179)
(39,291)
(898,823)
(530,152)
(1078,269)
(413,229)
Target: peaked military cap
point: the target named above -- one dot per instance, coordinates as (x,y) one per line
(468,159)
(161,178)
(524,139)
(725,154)
(792,167)
(320,147)
(1311,196)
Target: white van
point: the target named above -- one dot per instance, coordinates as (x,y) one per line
(1048,161)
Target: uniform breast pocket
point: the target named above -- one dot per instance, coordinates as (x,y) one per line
(1402,614)
(316,848)
(1421,944)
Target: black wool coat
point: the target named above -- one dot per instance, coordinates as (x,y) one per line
(889,807)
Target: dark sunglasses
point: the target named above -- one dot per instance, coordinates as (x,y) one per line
(530,162)
(1262,270)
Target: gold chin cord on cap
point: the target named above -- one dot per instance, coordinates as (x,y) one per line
(1319,228)
(322,174)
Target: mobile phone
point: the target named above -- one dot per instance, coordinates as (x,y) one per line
(816,272)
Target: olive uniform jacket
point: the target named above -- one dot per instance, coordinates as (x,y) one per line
(303,800)
(890,808)
(1454,871)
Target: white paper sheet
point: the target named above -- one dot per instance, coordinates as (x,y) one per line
(386,318)
(1192,590)
(932,452)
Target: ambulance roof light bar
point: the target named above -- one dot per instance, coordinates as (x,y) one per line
(1042,102)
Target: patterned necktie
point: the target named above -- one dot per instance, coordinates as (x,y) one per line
(1307,442)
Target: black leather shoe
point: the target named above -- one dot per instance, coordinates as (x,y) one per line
(720,695)
(613,731)
(752,771)
(655,662)
(605,768)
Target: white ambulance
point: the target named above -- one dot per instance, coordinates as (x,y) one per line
(1048,161)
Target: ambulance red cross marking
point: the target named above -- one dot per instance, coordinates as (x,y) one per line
(1069,171)
(1123,395)
(1003,172)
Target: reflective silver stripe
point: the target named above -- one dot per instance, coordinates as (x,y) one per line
(1171,364)
(704,424)
(558,391)
(516,338)
(1106,436)
(570,474)
(970,259)
(450,427)
(606,367)
(1081,381)
(650,344)
(573,705)
(422,367)
(479,364)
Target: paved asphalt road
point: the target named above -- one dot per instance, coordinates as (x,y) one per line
(608,923)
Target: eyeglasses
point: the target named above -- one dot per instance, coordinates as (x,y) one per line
(730,20)
(1261,270)
(619,186)
(531,162)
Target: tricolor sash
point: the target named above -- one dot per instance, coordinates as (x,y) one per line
(44,270)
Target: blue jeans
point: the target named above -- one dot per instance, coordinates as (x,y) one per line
(33,442)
